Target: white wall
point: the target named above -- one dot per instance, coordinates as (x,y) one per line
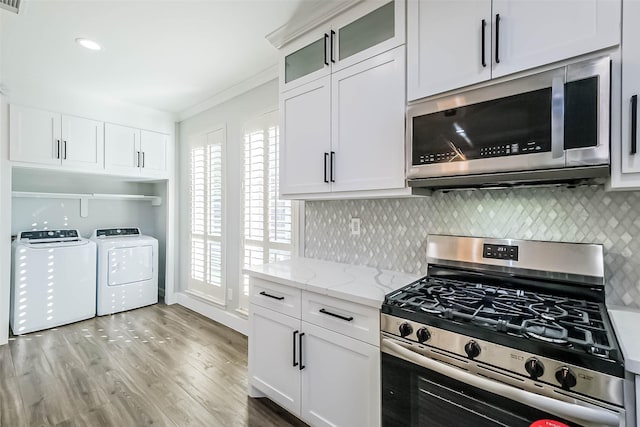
(233,114)
(5,213)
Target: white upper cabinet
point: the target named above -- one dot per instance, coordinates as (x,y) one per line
(131,151)
(34,135)
(457,43)
(82,143)
(122,149)
(368,125)
(367,29)
(153,153)
(306,138)
(48,138)
(449,45)
(530,33)
(625,156)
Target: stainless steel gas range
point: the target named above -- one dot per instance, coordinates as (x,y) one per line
(502,333)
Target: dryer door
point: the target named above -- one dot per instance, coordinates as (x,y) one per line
(130,265)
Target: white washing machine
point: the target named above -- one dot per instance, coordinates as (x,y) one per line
(53,280)
(127,269)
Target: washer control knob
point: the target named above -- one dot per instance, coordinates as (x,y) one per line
(534,368)
(423,335)
(472,349)
(566,377)
(405,329)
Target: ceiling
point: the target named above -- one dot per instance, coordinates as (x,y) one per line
(166,55)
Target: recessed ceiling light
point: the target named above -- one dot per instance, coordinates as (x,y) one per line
(89,44)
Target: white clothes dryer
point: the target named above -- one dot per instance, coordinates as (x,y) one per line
(53,280)
(127,269)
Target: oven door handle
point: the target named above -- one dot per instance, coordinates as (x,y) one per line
(556,407)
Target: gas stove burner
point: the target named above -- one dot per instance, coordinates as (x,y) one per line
(546,332)
(549,310)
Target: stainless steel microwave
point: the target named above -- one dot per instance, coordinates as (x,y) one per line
(548,127)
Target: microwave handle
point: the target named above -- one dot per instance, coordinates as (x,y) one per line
(557,117)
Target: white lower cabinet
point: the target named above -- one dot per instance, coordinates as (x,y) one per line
(340,379)
(324,377)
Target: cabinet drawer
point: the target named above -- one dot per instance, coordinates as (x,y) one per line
(354,320)
(277,297)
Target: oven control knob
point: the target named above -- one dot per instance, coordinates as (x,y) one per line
(405,329)
(534,367)
(472,349)
(423,335)
(565,377)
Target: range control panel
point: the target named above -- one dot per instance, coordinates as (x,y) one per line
(500,252)
(49,234)
(108,232)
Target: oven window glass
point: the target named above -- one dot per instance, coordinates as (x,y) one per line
(515,125)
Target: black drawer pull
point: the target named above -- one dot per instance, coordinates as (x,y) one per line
(348,319)
(295,363)
(634,124)
(271,296)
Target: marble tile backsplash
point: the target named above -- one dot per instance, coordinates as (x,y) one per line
(393,231)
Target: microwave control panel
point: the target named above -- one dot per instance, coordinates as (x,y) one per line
(485,152)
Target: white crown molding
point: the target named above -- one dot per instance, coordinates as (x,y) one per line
(309,16)
(259,79)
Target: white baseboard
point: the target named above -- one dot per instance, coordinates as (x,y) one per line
(209,310)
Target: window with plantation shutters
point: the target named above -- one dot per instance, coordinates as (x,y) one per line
(268,220)
(207,277)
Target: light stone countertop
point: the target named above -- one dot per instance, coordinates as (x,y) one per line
(626,322)
(355,283)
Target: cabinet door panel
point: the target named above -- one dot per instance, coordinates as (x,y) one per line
(538,32)
(368,123)
(340,381)
(121,148)
(306,137)
(305,60)
(34,135)
(271,357)
(366,30)
(630,85)
(153,147)
(82,143)
(444,45)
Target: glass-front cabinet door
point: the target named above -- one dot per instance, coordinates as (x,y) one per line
(370,28)
(362,32)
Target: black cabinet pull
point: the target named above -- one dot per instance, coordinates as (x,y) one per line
(57,148)
(634,124)
(332,167)
(295,363)
(142,158)
(271,296)
(497,38)
(326,37)
(300,346)
(137,159)
(484,24)
(348,319)
(333,33)
(65,149)
(325,167)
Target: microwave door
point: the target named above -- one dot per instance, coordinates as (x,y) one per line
(516,126)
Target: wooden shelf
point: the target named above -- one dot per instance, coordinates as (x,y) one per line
(84,198)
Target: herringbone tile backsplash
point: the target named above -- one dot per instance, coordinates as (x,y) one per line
(394,231)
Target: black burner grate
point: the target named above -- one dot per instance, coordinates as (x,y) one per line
(560,320)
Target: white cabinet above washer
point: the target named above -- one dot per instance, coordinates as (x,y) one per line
(131,151)
(48,138)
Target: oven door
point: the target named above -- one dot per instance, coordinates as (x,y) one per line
(420,391)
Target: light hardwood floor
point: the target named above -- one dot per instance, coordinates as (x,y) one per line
(159,365)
